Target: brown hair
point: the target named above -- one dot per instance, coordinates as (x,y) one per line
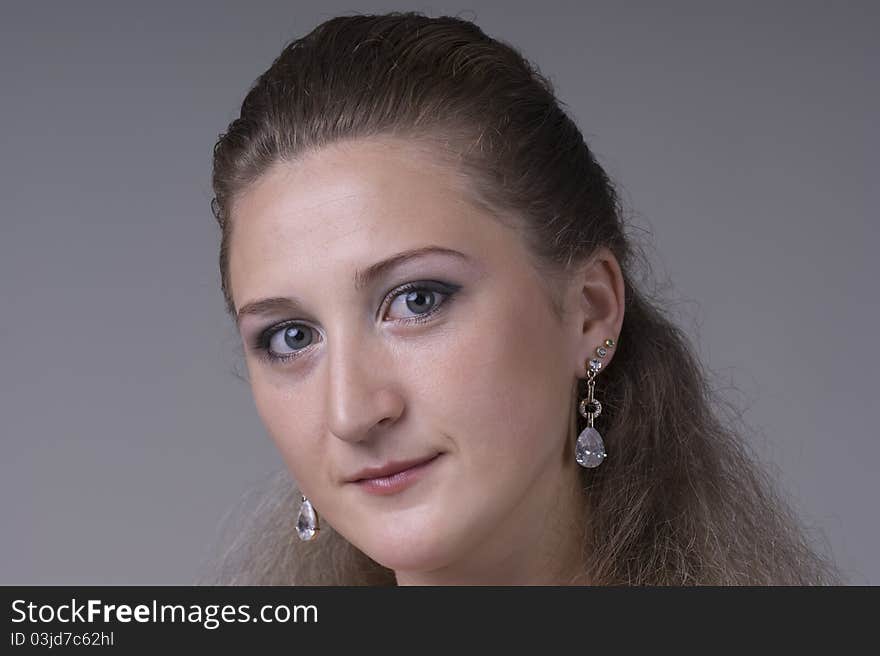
(681,501)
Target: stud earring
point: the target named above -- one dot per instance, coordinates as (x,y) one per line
(307,521)
(590,449)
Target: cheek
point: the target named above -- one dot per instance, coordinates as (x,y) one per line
(505,387)
(289,422)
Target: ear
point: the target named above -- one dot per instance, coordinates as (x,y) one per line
(598,307)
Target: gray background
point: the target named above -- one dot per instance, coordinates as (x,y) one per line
(741,135)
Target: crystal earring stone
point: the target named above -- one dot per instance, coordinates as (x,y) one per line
(307,521)
(590,449)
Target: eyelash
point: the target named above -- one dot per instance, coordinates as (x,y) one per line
(448,291)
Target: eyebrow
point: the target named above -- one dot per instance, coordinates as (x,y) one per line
(362,279)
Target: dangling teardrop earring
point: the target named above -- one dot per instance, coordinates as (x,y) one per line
(307,521)
(590,449)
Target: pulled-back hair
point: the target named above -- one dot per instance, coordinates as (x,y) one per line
(681,501)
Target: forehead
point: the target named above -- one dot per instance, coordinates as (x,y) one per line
(345,206)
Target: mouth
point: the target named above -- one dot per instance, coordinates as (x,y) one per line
(394,476)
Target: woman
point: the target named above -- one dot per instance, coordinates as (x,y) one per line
(445,338)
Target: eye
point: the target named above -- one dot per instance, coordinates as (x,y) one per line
(287,341)
(420,299)
(295,337)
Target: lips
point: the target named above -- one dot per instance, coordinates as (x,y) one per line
(394,477)
(394,467)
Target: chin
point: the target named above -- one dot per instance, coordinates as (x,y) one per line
(416,549)
(402,559)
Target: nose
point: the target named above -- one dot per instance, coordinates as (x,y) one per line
(360,395)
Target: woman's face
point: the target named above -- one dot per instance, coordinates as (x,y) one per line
(466,368)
